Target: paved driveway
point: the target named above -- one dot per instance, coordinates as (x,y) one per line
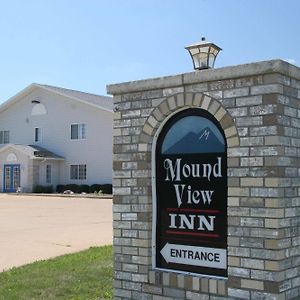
(39,227)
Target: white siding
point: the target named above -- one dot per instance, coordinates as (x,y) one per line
(95,151)
(55,173)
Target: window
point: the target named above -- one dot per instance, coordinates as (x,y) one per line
(78,131)
(37,134)
(78,172)
(38,109)
(48,173)
(4,137)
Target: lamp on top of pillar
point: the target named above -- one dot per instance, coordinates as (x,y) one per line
(203,54)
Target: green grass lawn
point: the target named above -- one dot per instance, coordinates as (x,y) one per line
(85,275)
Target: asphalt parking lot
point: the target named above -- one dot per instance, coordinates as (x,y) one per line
(40,227)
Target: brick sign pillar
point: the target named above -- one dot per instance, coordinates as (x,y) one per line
(168,238)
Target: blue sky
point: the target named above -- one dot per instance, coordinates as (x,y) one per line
(87,44)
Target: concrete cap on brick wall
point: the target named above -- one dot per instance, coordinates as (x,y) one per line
(257,68)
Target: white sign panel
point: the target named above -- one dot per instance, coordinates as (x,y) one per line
(196,256)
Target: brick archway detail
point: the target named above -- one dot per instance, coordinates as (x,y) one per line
(175,103)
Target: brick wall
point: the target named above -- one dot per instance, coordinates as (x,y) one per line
(258,107)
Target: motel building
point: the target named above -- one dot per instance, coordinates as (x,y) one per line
(51,135)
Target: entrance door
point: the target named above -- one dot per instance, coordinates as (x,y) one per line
(11,178)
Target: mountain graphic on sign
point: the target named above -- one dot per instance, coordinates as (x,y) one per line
(203,142)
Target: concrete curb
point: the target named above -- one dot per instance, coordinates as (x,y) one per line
(104,196)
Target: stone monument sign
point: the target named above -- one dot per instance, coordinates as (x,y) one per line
(206,184)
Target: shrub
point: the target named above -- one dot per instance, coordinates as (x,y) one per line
(60,188)
(95,188)
(84,188)
(106,188)
(43,189)
(73,187)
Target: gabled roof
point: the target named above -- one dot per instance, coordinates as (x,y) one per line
(101,102)
(34,152)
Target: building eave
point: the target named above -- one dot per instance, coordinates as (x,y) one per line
(71,97)
(29,89)
(14,99)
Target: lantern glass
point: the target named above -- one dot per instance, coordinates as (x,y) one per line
(211,60)
(203,54)
(194,51)
(204,49)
